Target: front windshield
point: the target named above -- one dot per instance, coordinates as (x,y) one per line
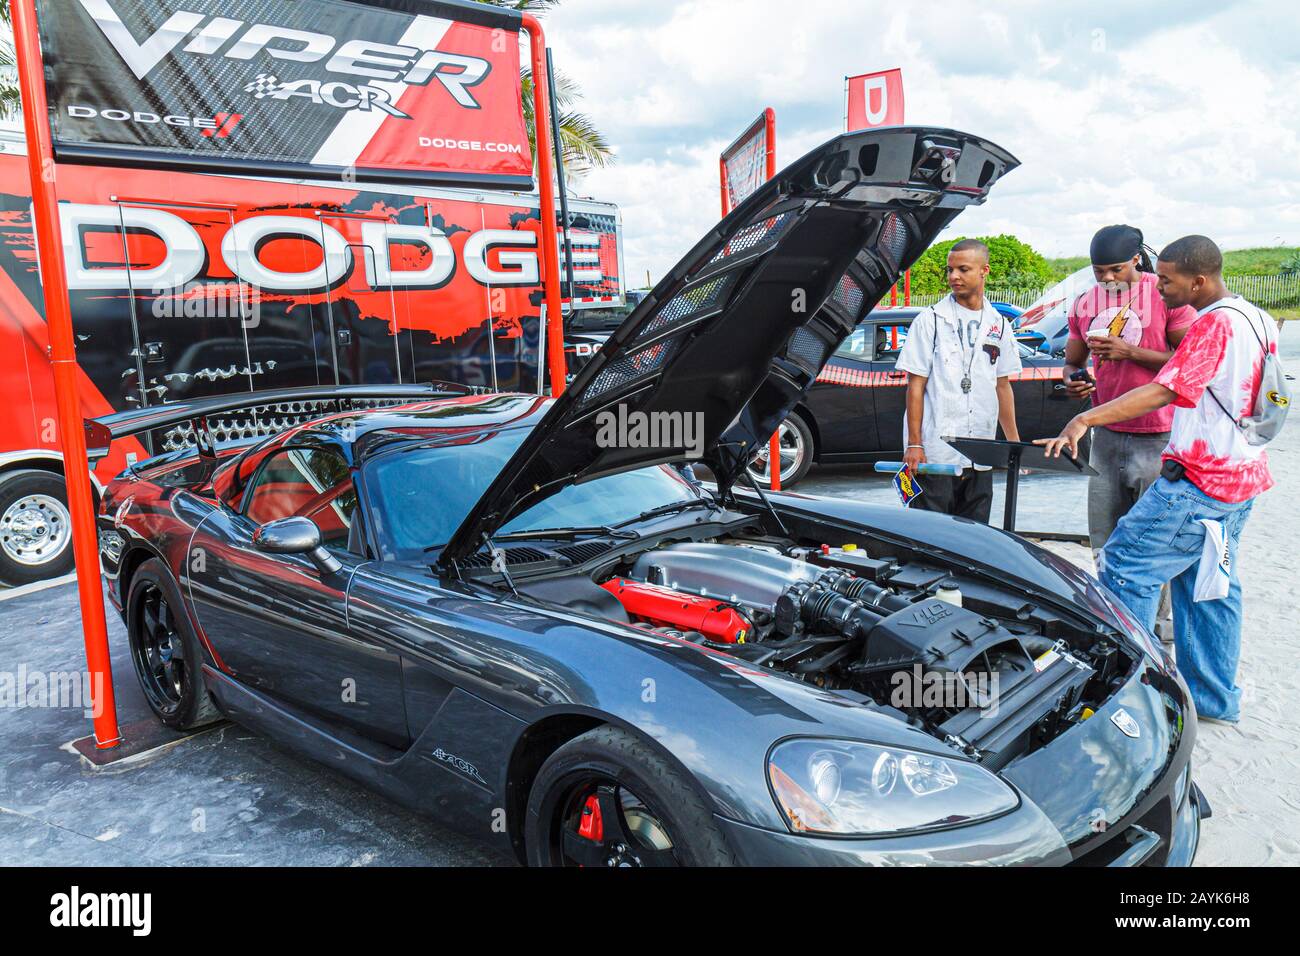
(418,498)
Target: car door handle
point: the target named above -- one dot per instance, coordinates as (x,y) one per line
(896,375)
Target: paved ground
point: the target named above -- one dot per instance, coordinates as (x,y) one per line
(223,797)
(228,797)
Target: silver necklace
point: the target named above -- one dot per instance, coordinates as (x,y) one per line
(966,383)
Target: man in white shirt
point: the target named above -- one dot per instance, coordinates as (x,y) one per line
(959,356)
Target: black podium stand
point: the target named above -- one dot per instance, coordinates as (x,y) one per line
(1014,455)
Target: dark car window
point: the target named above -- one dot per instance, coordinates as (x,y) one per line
(857,345)
(598,320)
(419,497)
(889,341)
(305,482)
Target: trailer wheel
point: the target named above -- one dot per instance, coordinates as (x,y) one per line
(35,527)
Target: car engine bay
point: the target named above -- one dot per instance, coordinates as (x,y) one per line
(984,668)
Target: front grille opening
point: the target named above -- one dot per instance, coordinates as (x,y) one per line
(1158,820)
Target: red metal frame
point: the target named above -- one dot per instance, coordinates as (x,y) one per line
(768,119)
(63,361)
(549,253)
(30,68)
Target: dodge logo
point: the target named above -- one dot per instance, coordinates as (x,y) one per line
(1127,725)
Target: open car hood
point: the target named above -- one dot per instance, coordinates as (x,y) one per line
(737,332)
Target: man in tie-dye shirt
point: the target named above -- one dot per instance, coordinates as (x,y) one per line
(1211,472)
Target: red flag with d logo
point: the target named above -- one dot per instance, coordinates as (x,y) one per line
(874,99)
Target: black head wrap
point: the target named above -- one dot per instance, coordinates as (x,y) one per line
(1118,244)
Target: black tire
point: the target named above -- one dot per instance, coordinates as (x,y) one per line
(33,511)
(801,437)
(173,682)
(609,757)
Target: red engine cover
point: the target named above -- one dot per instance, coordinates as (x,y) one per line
(654,604)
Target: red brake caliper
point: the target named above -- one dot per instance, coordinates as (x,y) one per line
(591,826)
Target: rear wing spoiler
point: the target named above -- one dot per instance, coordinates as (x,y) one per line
(102,432)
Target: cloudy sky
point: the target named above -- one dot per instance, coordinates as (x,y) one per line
(1175,116)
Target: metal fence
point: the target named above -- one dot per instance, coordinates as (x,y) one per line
(1268,292)
(1020,298)
(1281,291)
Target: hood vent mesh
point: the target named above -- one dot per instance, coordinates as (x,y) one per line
(807,349)
(848,295)
(751,236)
(630,368)
(689,303)
(894,237)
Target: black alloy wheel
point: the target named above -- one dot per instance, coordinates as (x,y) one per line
(604,824)
(159,652)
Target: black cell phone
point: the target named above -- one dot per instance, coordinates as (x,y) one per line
(1082,375)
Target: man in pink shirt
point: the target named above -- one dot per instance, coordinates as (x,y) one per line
(1211,471)
(1130,333)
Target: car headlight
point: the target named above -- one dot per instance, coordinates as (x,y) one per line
(849,788)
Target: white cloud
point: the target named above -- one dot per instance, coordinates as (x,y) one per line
(1177,117)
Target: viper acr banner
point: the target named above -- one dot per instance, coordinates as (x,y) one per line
(403,90)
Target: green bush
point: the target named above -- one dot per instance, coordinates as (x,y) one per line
(1012,265)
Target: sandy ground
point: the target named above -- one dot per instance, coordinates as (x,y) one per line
(1250,772)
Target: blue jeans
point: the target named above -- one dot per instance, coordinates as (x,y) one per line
(1159,541)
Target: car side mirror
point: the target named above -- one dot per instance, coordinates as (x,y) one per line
(295,536)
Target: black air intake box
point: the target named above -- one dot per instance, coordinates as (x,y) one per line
(942,637)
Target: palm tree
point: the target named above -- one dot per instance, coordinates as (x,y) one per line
(584,146)
(10,100)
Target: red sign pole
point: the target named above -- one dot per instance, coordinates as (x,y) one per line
(63,360)
(769,166)
(774,443)
(549,254)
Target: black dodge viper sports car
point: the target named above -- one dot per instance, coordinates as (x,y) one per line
(487,608)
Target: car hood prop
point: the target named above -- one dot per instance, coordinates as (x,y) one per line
(722,349)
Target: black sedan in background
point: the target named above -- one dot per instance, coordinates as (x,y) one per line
(854,411)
